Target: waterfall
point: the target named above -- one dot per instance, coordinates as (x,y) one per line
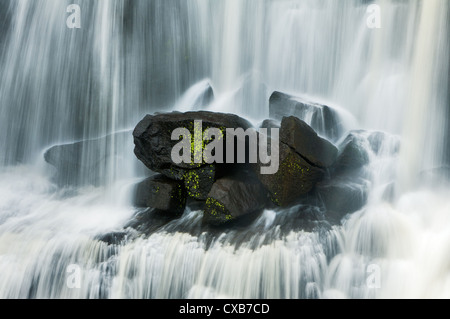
(133,57)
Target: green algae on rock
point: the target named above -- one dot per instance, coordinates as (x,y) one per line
(161,193)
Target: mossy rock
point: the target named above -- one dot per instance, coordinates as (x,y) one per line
(198,182)
(161,193)
(295,178)
(304,140)
(153,138)
(233,198)
(216,213)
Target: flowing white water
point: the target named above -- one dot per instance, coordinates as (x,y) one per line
(136,57)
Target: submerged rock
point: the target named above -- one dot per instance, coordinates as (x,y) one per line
(383,142)
(342,196)
(161,193)
(353,154)
(113,238)
(323,119)
(205,98)
(85,162)
(232,198)
(196,97)
(150,220)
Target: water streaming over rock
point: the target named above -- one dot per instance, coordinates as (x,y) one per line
(130,58)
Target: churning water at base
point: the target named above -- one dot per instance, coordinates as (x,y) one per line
(136,57)
(44,232)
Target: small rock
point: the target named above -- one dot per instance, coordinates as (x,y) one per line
(232,198)
(161,193)
(353,153)
(294,179)
(113,238)
(305,141)
(342,196)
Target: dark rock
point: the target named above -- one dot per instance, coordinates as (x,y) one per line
(161,193)
(195,204)
(85,162)
(153,144)
(309,218)
(295,177)
(270,124)
(305,141)
(174,172)
(150,220)
(199,181)
(232,198)
(113,238)
(342,196)
(323,119)
(353,153)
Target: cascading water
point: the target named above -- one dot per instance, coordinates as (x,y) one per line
(130,58)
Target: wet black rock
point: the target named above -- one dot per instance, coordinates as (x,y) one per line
(153,138)
(199,181)
(295,177)
(304,140)
(232,198)
(150,220)
(161,193)
(114,238)
(342,196)
(353,153)
(270,124)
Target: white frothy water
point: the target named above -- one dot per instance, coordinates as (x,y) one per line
(137,57)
